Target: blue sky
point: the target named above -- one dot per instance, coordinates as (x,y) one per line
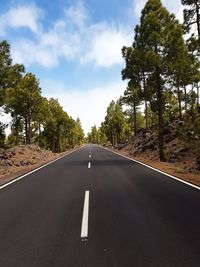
(74,48)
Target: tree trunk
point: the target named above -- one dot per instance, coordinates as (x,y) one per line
(58,139)
(160,116)
(29,131)
(112,136)
(39,133)
(53,147)
(146,114)
(71,140)
(179,102)
(185,93)
(17,135)
(197,95)
(113,139)
(17,130)
(192,104)
(198,20)
(118,138)
(134,115)
(26,130)
(145,102)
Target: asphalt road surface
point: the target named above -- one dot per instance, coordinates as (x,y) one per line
(94,208)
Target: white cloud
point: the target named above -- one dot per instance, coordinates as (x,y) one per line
(47,51)
(72,37)
(90,106)
(105,44)
(77,14)
(22,16)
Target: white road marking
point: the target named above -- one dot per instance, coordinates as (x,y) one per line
(84,226)
(37,169)
(90,156)
(169,175)
(89,165)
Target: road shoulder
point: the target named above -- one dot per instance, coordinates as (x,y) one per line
(165,167)
(25,170)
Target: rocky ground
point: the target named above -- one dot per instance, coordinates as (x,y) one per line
(183,159)
(21,159)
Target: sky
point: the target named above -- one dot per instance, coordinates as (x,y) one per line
(74,48)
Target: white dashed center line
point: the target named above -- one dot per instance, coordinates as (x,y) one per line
(89,165)
(84,226)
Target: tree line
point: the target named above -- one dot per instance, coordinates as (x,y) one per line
(163,71)
(35,119)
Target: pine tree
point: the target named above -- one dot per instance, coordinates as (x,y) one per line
(136,68)
(24,101)
(192,15)
(132,98)
(156,29)
(5,65)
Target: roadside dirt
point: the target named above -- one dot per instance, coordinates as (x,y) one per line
(175,169)
(19,160)
(182,158)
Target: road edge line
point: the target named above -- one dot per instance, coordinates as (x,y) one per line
(157,170)
(37,169)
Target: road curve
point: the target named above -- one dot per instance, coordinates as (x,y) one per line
(94,208)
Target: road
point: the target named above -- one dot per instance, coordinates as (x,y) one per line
(112,212)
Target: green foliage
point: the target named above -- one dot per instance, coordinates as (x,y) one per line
(132,98)
(97,135)
(192,21)
(24,101)
(94,136)
(78,133)
(115,127)
(191,14)
(160,66)
(59,130)
(152,49)
(5,64)
(189,129)
(34,118)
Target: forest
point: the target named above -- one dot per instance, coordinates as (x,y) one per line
(162,68)
(35,119)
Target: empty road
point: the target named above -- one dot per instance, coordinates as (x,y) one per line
(94,208)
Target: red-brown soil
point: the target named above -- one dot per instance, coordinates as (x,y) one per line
(21,159)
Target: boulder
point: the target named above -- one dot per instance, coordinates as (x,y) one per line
(25,162)
(6,162)
(150,145)
(168,138)
(6,155)
(9,162)
(180,150)
(172,158)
